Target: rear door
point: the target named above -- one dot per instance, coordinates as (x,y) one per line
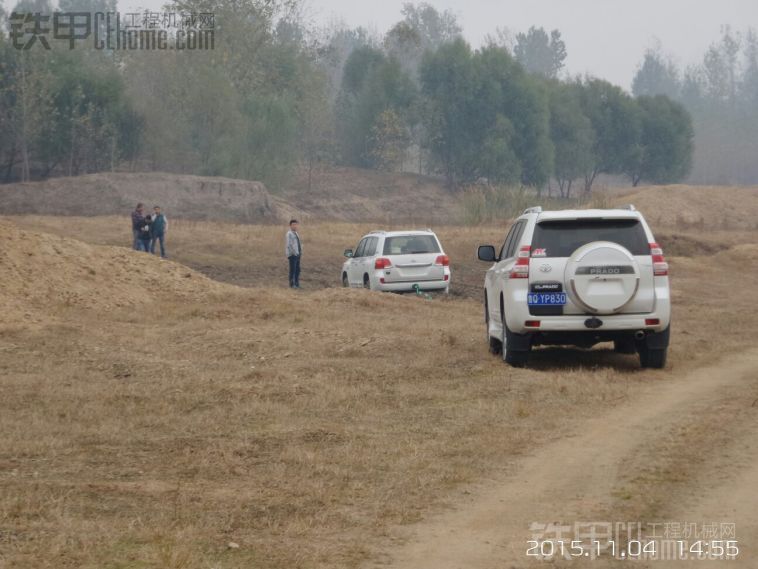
(413,258)
(354,273)
(368,258)
(555,241)
(497,273)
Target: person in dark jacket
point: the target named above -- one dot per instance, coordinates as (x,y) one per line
(158,230)
(145,234)
(138,221)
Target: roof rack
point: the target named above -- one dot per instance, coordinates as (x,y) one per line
(630,207)
(377,231)
(535,209)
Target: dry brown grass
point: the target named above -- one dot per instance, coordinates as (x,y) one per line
(301,426)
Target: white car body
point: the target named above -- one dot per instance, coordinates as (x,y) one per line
(603,271)
(397,261)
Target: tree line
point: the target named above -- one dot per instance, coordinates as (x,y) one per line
(275,96)
(721,94)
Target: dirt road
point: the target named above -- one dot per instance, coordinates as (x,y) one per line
(601,472)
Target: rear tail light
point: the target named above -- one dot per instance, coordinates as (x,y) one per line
(443,260)
(521,269)
(532,323)
(660,266)
(382,263)
(652,321)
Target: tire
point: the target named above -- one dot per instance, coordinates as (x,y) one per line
(654,348)
(345,282)
(652,359)
(514,358)
(366,282)
(625,346)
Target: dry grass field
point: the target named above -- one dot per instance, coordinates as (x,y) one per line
(154,417)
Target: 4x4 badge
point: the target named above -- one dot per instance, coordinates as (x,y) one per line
(546,268)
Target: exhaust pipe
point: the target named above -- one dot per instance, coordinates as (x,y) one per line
(639,335)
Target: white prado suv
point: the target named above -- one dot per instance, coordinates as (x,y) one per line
(578,277)
(398,261)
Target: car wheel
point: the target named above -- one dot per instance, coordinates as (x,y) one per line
(345,282)
(654,359)
(653,349)
(514,358)
(366,282)
(624,346)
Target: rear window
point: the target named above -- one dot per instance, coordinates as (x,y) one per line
(411,244)
(560,238)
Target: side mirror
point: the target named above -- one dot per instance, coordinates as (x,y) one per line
(486,253)
(348,253)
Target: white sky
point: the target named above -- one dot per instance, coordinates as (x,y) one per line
(606,38)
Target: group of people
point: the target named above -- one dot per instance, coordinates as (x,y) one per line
(149,230)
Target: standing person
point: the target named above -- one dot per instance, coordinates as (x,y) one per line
(158,231)
(145,234)
(293,250)
(138,221)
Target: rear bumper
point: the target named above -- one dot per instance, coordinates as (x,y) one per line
(409,286)
(576,323)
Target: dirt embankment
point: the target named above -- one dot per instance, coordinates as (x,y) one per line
(354,194)
(192,197)
(695,207)
(41,274)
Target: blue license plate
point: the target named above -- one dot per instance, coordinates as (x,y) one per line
(546,298)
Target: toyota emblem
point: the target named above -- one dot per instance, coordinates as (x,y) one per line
(546,268)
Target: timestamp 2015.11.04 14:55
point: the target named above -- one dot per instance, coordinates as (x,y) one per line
(649,549)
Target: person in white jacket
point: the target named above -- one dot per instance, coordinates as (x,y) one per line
(293,250)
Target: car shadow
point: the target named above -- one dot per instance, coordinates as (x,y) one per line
(556,359)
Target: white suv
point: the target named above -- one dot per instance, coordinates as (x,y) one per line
(578,277)
(397,261)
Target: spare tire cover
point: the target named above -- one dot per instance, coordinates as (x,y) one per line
(602,277)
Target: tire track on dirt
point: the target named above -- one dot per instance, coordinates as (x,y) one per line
(568,480)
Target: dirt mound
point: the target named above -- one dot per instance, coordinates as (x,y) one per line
(40,274)
(193,197)
(678,245)
(354,194)
(696,207)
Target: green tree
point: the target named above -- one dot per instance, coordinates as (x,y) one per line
(448,80)
(656,76)
(540,53)
(390,140)
(572,135)
(507,90)
(665,142)
(615,120)
(372,84)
